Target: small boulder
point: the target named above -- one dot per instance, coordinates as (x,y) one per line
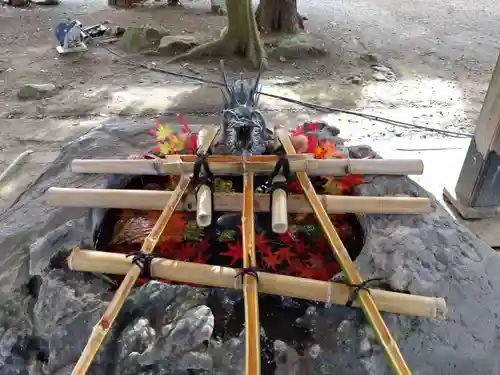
(18,3)
(300,46)
(173,45)
(139,39)
(370,58)
(33,91)
(45,2)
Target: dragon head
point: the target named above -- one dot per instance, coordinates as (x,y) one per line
(244,126)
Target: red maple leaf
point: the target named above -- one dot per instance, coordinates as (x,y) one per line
(199,258)
(321,245)
(323,274)
(262,244)
(285,239)
(347,182)
(167,249)
(333,267)
(187,251)
(285,253)
(235,252)
(271,260)
(299,130)
(316,260)
(293,266)
(300,248)
(294,187)
(185,126)
(204,245)
(306,272)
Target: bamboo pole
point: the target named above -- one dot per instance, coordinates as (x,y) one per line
(250,285)
(391,349)
(279,210)
(102,327)
(179,165)
(231,202)
(269,283)
(204,206)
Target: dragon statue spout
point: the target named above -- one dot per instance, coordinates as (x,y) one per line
(244,128)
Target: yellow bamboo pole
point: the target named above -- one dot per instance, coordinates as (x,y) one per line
(102,327)
(270,283)
(250,285)
(366,301)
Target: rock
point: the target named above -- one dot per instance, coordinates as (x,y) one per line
(139,39)
(356,80)
(383,73)
(18,3)
(172,329)
(175,44)
(118,31)
(46,2)
(218,7)
(36,91)
(300,46)
(377,76)
(370,58)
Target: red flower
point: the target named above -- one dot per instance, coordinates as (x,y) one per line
(285,239)
(235,252)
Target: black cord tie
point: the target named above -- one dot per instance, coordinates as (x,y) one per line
(202,175)
(282,167)
(356,288)
(248,271)
(143,261)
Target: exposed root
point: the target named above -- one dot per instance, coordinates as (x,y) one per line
(213,48)
(241,37)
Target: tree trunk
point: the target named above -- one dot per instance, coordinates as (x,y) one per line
(279,16)
(241,37)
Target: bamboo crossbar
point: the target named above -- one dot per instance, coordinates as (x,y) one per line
(269,283)
(219,165)
(102,327)
(231,202)
(250,285)
(366,301)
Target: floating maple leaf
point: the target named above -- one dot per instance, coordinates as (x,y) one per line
(262,244)
(285,254)
(285,239)
(235,252)
(301,248)
(305,271)
(347,182)
(271,260)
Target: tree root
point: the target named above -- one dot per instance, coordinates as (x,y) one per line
(223,47)
(241,37)
(212,48)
